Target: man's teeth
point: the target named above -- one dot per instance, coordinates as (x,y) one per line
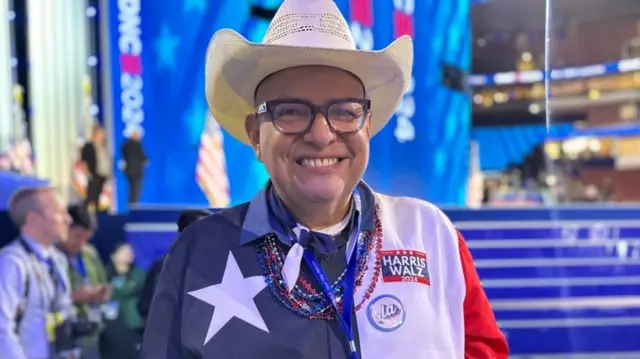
(319,162)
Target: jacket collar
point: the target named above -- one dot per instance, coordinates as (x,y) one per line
(259,222)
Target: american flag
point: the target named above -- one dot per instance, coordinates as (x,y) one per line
(211,169)
(80,179)
(18,158)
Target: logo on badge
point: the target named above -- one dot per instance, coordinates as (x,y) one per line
(386,313)
(405,266)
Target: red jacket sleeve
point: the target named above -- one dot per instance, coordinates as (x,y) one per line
(483,339)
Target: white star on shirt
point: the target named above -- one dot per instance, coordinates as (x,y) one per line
(233,297)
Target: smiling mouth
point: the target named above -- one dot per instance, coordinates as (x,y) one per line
(319,162)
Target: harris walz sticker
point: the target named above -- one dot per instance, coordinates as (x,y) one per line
(405,266)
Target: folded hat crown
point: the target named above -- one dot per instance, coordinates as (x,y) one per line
(310,23)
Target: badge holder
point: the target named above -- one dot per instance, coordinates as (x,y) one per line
(53,321)
(111,310)
(118,282)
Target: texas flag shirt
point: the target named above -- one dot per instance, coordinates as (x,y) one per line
(419,295)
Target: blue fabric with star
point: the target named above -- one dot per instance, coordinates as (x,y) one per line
(198,264)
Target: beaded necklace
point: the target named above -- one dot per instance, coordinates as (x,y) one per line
(304,300)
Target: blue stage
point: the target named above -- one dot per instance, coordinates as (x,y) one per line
(560,280)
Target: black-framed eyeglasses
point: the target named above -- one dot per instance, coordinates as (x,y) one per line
(296,116)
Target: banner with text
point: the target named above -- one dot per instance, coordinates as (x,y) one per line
(157,76)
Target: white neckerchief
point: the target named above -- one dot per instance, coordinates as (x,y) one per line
(291,266)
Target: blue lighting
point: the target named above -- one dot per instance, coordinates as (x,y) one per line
(423,154)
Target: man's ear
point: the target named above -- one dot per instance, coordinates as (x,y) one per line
(367,124)
(252,127)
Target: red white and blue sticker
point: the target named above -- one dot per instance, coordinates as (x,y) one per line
(386,313)
(405,266)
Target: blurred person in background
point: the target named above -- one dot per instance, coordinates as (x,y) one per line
(317,265)
(606,190)
(185,219)
(135,160)
(591,193)
(97,161)
(89,283)
(122,335)
(35,293)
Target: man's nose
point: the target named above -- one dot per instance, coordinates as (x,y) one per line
(320,133)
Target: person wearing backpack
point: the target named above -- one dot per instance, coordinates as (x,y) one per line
(36,309)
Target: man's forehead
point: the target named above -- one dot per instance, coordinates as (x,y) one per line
(55,200)
(48,196)
(281,80)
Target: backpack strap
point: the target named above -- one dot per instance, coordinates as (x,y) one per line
(22,306)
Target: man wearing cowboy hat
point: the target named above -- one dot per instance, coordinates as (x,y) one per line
(317,265)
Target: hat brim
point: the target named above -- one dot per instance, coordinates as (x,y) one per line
(235,67)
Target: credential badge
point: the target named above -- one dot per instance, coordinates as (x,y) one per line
(386,313)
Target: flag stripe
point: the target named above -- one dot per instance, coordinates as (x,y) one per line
(211,170)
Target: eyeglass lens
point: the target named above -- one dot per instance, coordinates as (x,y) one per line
(294,117)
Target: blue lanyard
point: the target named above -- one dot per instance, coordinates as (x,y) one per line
(79,266)
(345,317)
(347,296)
(49,262)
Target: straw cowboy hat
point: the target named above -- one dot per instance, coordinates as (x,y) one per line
(303,32)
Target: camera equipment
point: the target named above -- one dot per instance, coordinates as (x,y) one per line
(69,331)
(83,328)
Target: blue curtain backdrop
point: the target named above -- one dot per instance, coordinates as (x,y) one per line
(424,155)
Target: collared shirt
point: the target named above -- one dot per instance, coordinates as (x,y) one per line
(258,222)
(29,340)
(39,249)
(86,269)
(211,299)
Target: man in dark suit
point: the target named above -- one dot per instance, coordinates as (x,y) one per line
(134,162)
(185,219)
(97,161)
